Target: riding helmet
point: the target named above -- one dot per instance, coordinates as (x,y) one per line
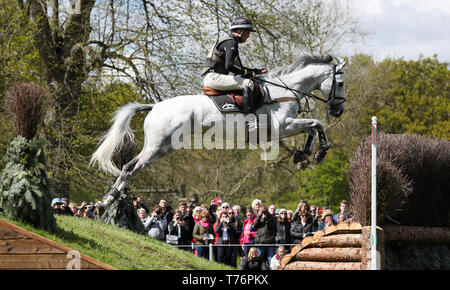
(242,23)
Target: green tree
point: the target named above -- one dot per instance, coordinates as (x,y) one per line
(24,186)
(159,47)
(325,185)
(419,98)
(19,61)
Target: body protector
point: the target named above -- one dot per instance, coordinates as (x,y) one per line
(215,61)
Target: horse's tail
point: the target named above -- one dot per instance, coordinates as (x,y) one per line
(112,141)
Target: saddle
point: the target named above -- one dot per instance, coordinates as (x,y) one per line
(236,101)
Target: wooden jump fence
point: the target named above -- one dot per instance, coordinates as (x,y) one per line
(347,246)
(23,250)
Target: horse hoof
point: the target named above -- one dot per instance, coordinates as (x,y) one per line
(320,155)
(299,156)
(324,146)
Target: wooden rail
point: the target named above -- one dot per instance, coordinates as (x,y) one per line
(338,247)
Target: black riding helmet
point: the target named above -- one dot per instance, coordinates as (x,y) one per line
(242,23)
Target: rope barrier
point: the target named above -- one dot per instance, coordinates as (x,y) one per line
(211,245)
(234,245)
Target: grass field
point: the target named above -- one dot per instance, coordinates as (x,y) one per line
(122,248)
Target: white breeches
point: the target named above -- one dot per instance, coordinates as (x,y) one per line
(223,82)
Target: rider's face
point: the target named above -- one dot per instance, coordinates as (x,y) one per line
(242,34)
(245,35)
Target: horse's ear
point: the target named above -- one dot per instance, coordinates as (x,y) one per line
(341,65)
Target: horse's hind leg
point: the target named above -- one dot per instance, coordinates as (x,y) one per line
(146,157)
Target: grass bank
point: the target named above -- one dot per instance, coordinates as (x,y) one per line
(122,248)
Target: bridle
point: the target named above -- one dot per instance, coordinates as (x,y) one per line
(331,96)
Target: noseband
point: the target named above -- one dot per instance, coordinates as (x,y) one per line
(332,96)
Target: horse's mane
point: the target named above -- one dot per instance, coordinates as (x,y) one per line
(300,63)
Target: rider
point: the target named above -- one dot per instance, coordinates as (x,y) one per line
(223,69)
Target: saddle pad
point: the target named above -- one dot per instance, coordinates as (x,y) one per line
(214,92)
(227,103)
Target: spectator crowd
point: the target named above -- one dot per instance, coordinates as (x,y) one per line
(256,238)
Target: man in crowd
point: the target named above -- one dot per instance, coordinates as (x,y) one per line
(166,212)
(189,222)
(344,210)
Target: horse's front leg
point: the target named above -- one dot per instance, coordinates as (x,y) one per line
(312,127)
(323,147)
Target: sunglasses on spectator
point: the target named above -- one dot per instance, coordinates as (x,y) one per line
(204,217)
(282,213)
(230,212)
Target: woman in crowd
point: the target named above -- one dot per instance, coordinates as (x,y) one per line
(225,231)
(327,220)
(74,208)
(238,226)
(204,234)
(276,260)
(177,227)
(341,218)
(315,217)
(253,261)
(301,227)
(142,214)
(217,217)
(303,206)
(283,229)
(256,205)
(155,225)
(248,236)
(266,227)
(196,214)
(289,215)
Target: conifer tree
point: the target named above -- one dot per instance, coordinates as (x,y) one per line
(24,186)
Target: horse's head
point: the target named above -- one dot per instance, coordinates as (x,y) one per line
(334,87)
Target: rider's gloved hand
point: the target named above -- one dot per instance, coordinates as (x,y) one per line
(260,71)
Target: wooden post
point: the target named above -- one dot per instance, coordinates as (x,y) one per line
(366,251)
(373,219)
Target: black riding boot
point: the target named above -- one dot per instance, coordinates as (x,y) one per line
(248,102)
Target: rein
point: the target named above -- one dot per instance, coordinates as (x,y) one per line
(332,96)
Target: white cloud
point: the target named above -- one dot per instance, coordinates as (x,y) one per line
(406,28)
(373,7)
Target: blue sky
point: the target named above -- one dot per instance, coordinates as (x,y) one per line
(404,28)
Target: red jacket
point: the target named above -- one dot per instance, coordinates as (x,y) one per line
(247,224)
